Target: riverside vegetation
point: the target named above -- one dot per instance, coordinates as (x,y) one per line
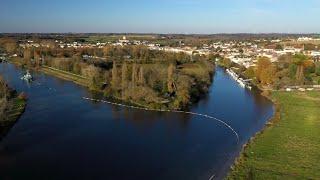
(289,147)
(12,106)
(289,70)
(130,73)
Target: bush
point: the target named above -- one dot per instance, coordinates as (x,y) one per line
(317,70)
(23,96)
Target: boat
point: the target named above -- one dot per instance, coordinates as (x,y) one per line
(241,83)
(27,77)
(244,83)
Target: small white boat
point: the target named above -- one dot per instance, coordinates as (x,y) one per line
(27,77)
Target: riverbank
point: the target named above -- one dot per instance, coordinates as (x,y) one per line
(196,83)
(80,80)
(56,104)
(288,146)
(12,107)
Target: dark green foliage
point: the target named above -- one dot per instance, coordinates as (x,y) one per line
(225,63)
(317,69)
(279,47)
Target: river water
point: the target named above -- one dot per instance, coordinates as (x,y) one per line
(63,136)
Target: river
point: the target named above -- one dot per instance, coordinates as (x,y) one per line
(63,136)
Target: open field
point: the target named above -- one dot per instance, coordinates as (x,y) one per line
(289,147)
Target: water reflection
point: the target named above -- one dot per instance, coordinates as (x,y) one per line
(64,136)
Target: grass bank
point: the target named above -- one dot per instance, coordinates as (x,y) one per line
(289,147)
(65,75)
(81,80)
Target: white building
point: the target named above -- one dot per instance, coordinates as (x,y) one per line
(305,39)
(315,53)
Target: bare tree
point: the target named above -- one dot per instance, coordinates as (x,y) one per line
(115,77)
(134,75)
(141,76)
(170,81)
(124,76)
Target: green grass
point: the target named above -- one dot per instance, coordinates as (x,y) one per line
(290,147)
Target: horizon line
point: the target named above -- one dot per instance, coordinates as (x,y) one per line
(151,33)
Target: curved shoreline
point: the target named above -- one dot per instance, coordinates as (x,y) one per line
(84,81)
(234,160)
(227,160)
(288,146)
(14,109)
(269,123)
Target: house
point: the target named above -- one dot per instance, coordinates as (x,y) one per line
(315,53)
(304,39)
(292,50)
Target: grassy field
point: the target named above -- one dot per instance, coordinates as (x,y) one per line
(290,147)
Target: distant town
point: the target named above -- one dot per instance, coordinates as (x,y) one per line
(240,52)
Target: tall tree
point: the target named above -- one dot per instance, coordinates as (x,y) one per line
(170,81)
(37,57)
(134,75)
(27,55)
(141,76)
(124,76)
(265,71)
(115,78)
(302,61)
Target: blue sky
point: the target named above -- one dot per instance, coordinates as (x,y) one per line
(160,16)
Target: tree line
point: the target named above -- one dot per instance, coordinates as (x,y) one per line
(136,74)
(288,70)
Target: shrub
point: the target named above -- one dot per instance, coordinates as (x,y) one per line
(22,96)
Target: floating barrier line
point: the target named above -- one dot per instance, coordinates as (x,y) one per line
(173,111)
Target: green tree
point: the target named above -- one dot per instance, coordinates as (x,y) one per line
(249,73)
(226,62)
(279,47)
(302,61)
(317,70)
